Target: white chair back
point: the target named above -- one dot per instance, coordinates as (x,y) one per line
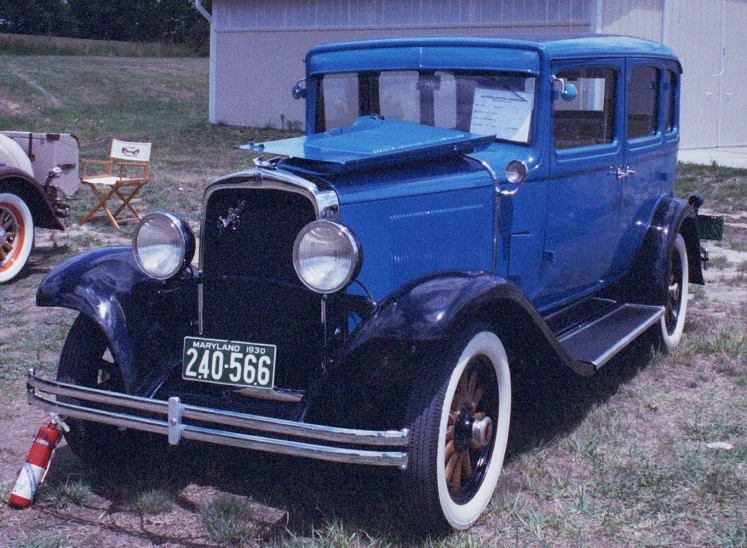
(134,152)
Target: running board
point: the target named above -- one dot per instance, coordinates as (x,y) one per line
(597,340)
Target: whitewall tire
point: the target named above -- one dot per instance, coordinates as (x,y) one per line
(16,235)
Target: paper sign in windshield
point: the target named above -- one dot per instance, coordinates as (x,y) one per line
(503,113)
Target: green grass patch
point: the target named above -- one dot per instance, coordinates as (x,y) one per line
(724,188)
(229,521)
(67,493)
(21,44)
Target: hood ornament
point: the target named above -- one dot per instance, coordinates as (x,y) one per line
(232,220)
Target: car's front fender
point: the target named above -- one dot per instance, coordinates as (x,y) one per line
(137,314)
(373,375)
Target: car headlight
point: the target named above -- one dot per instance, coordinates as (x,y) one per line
(326,256)
(163,245)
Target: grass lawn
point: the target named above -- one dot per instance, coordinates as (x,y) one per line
(652,451)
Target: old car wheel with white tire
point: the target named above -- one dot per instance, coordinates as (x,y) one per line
(86,361)
(458,439)
(673,321)
(16,235)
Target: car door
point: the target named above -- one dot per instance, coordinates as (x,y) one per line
(583,191)
(649,152)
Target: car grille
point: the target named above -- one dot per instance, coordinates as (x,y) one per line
(251,292)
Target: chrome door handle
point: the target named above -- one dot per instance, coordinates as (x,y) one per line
(624,173)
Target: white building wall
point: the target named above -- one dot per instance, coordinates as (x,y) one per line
(260,44)
(641,18)
(708,36)
(258,47)
(695,34)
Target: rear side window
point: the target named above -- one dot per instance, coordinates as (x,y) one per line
(589,118)
(670,90)
(643,101)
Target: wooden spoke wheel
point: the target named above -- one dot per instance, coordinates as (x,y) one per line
(16,235)
(459,418)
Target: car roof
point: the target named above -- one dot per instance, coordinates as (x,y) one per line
(548,46)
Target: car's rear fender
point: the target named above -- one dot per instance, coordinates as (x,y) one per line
(648,280)
(32,193)
(138,315)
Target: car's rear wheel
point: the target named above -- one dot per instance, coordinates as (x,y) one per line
(459,415)
(672,323)
(16,235)
(87,361)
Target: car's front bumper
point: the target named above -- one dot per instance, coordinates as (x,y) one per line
(178,421)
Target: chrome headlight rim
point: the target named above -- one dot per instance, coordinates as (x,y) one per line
(347,237)
(516,172)
(182,247)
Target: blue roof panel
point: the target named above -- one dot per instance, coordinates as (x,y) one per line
(514,53)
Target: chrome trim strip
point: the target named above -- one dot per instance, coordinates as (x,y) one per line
(173,414)
(291,396)
(496,206)
(326,202)
(625,341)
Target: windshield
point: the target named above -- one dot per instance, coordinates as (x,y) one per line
(499,104)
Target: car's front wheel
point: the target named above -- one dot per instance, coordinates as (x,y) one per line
(87,361)
(16,235)
(459,415)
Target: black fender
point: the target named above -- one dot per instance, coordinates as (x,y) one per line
(139,316)
(648,278)
(374,373)
(23,185)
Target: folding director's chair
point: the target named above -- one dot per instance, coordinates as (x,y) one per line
(126,173)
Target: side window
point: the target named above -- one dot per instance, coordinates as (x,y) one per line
(643,101)
(589,118)
(670,90)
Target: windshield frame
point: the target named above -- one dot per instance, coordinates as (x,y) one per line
(364,95)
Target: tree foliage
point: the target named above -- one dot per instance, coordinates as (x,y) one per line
(170,21)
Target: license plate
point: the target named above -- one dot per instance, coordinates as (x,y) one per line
(229,362)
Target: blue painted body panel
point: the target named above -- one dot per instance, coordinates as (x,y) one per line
(573,229)
(398,229)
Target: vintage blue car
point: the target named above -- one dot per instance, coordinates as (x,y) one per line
(363,293)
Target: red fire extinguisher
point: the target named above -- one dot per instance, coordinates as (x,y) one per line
(37,462)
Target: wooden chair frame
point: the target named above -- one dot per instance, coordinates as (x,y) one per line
(124,175)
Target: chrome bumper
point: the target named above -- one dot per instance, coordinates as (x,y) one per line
(171,418)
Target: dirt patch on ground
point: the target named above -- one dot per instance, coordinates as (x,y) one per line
(10,107)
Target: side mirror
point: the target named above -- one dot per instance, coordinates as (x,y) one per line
(566,92)
(299,90)
(569,92)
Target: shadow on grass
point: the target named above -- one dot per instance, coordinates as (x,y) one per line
(547,405)
(553,401)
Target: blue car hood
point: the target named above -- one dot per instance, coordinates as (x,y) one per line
(370,142)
